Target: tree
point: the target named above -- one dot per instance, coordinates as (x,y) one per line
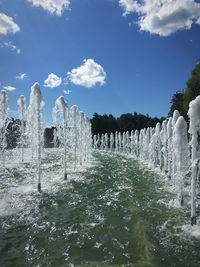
(141,121)
(193,87)
(13,133)
(177,104)
(112,124)
(126,122)
(96,122)
(49,137)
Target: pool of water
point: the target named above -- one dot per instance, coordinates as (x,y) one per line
(116,212)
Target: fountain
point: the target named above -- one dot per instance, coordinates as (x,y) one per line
(166,146)
(81,136)
(95,141)
(111,141)
(116,142)
(22,109)
(124,142)
(132,142)
(194,130)
(60,116)
(108,190)
(169,147)
(136,142)
(106,142)
(3,123)
(164,151)
(36,123)
(74,117)
(119,142)
(31,132)
(181,156)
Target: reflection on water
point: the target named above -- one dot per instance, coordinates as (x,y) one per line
(116,212)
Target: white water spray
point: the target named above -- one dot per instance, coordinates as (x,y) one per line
(3,124)
(36,122)
(60,116)
(194,130)
(22,109)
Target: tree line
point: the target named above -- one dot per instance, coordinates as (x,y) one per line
(126,122)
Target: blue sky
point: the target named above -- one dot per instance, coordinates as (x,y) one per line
(106,56)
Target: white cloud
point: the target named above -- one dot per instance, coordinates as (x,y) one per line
(52,81)
(88,75)
(21,76)
(163,17)
(9,88)
(53,6)
(12,47)
(67,92)
(129,6)
(7,25)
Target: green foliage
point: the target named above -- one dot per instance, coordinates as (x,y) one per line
(126,122)
(193,87)
(177,104)
(48,137)
(103,124)
(13,133)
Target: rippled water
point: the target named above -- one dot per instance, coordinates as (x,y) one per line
(116,212)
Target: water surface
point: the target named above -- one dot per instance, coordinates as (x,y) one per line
(115,212)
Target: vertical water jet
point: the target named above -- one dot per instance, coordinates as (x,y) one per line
(60,116)
(22,109)
(181,156)
(74,118)
(36,123)
(194,130)
(3,124)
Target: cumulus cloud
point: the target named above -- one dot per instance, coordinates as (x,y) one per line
(53,6)
(163,17)
(129,6)
(52,81)
(9,88)
(67,92)
(12,47)
(21,76)
(88,75)
(7,25)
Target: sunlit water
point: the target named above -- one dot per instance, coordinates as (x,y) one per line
(116,212)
